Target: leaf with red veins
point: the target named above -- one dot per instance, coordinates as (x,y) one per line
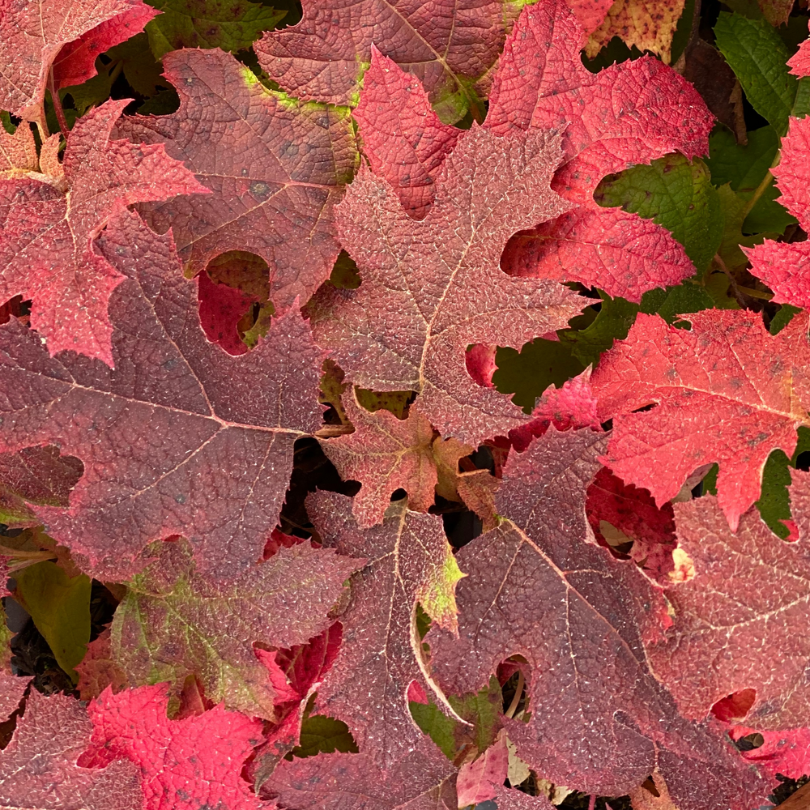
(800,61)
(172,623)
(409,561)
(536,587)
(275,169)
(726,391)
(621,253)
(572,406)
(38,768)
(424,779)
(176,439)
(629,113)
(409,323)
(403,138)
(184,764)
(739,622)
(785,267)
(633,512)
(449,45)
(33,32)
(649,25)
(48,251)
(76,61)
(386,454)
(782,752)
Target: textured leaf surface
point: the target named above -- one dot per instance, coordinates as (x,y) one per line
(736,624)
(172,623)
(782,752)
(448,45)
(422,780)
(536,588)
(47,248)
(38,768)
(184,764)
(649,26)
(76,62)
(725,392)
(97,669)
(227,24)
(275,169)
(408,560)
(800,61)
(176,439)
(541,83)
(12,689)
(409,324)
(403,138)
(33,33)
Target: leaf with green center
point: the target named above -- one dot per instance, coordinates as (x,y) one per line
(172,623)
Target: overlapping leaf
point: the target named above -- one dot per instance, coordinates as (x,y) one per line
(408,560)
(737,623)
(184,764)
(536,588)
(38,768)
(47,248)
(448,45)
(275,168)
(172,623)
(409,324)
(176,439)
(725,392)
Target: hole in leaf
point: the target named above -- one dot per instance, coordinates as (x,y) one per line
(734,707)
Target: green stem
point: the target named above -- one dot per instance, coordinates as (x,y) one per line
(758,192)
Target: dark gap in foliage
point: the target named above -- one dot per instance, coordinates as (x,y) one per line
(461,526)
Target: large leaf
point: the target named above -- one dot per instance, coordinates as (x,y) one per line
(409,323)
(275,169)
(176,439)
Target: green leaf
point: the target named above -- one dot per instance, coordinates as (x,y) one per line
(782,319)
(612,322)
(774,502)
(676,194)
(676,301)
(143,72)
(758,57)
(528,372)
(324,735)
(60,608)
(734,213)
(227,24)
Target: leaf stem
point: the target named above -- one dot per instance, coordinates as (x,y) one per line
(758,192)
(57,104)
(510,712)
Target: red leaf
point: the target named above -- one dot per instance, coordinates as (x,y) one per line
(184,764)
(98,671)
(409,560)
(177,439)
(39,767)
(782,752)
(76,62)
(448,45)
(726,392)
(263,157)
(422,780)
(403,138)
(33,33)
(785,268)
(48,248)
(431,288)
(482,779)
(507,799)
(800,61)
(12,687)
(600,720)
(221,307)
(739,622)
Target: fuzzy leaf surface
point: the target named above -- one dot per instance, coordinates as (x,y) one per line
(725,392)
(176,439)
(172,623)
(408,560)
(448,45)
(535,587)
(736,623)
(275,169)
(33,33)
(184,764)
(409,324)
(48,249)
(39,770)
